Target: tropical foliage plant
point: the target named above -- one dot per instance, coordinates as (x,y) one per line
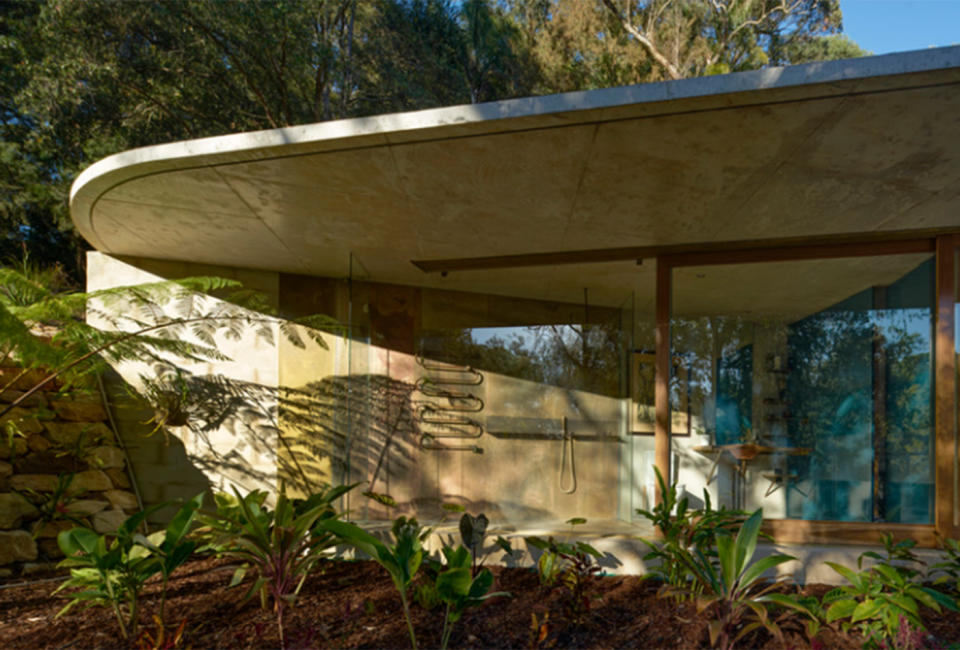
(683,532)
(947,570)
(171,547)
(882,599)
(569,565)
(401,559)
(282,545)
(735,590)
(459,589)
(108,572)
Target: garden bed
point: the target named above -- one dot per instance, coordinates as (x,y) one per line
(354,605)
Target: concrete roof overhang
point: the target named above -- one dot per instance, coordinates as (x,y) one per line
(857,146)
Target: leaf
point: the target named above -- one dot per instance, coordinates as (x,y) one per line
(453,584)
(576,521)
(841,609)
(849,574)
(481,584)
(238,576)
(78,540)
(864,610)
(180,523)
(747,539)
(933,598)
(756,570)
(715,628)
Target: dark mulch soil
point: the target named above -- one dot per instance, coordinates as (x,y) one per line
(354,605)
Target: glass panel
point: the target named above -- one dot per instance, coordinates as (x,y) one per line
(503,391)
(808,386)
(521,399)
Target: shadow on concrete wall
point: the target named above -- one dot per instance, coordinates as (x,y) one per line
(338,430)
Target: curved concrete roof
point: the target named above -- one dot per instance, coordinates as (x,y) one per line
(858,145)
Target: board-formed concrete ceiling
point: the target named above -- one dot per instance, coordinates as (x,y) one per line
(849,146)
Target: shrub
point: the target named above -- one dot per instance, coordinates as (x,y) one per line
(684,532)
(401,560)
(282,545)
(880,600)
(569,565)
(735,588)
(112,573)
(459,589)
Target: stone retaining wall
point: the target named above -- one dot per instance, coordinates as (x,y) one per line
(60,467)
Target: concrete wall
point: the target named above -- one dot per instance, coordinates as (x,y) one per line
(242,451)
(351,408)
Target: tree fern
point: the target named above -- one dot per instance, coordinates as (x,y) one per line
(147,322)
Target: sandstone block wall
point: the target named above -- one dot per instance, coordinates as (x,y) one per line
(60,467)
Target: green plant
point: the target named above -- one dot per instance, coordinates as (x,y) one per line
(551,563)
(169,395)
(55,506)
(110,574)
(683,531)
(171,548)
(879,599)
(736,590)
(142,323)
(459,589)
(949,566)
(401,560)
(282,544)
(899,555)
(569,565)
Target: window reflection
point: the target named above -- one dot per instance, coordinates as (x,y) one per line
(575,356)
(811,386)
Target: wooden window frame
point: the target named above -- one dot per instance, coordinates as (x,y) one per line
(944,247)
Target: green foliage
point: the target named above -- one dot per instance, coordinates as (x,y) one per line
(282,544)
(823,48)
(111,570)
(735,588)
(460,589)
(55,506)
(170,547)
(149,323)
(899,555)
(108,573)
(949,566)
(402,559)
(884,598)
(683,533)
(568,565)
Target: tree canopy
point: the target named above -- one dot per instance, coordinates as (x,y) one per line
(81,79)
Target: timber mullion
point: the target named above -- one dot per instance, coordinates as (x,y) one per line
(945,419)
(661,431)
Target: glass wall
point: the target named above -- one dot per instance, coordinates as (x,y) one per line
(511,405)
(806,387)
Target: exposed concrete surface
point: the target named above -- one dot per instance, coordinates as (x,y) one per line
(844,146)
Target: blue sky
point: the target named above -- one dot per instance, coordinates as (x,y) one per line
(883,26)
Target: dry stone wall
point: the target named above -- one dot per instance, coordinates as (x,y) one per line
(60,467)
